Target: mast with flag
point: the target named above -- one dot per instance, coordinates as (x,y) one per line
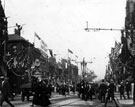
(43,45)
(37,36)
(69,52)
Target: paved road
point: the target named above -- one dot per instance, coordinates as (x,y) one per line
(70,101)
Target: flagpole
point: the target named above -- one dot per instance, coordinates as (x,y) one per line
(34,39)
(68,64)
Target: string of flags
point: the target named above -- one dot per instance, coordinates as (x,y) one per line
(44,46)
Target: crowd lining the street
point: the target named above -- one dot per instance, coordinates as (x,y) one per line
(41,91)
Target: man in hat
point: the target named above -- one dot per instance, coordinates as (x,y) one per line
(111,89)
(128,89)
(102,91)
(5,92)
(122,90)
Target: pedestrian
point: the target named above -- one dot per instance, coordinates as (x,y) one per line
(5,92)
(111,89)
(91,92)
(102,91)
(78,88)
(36,91)
(128,89)
(74,88)
(86,90)
(64,90)
(44,94)
(122,90)
(83,90)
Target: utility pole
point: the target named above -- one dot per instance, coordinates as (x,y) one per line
(98,29)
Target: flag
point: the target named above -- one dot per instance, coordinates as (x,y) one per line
(43,46)
(43,43)
(51,52)
(37,36)
(70,51)
(117,47)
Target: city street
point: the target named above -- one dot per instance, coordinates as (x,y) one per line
(67,46)
(70,101)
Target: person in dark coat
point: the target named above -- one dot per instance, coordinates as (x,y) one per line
(91,92)
(122,90)
(45,94)
(36,91)
(86,91)
(78,88)
(111,89)
(5,92)
(83,90)
(64,90)
(128,89)
(73,88)
(102,91)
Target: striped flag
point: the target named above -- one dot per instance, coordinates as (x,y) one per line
(37,36)
(43,46)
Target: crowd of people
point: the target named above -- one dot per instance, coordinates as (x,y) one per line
(41,92)
(65,89)
(105,91)
(42,89)
(87,90)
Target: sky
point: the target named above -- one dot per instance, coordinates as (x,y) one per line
(61,23)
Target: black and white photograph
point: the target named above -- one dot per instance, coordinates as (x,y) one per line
(67,53)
